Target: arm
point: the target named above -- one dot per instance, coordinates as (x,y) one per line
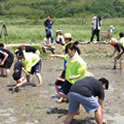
(101,104)
(76,76)
(57,56)
(4,59)
(114,52)
(121,51)
(23,69)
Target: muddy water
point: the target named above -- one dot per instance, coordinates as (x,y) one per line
(37,105)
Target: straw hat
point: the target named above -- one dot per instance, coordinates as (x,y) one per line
(94,17)
(58,30)
(113,40)
(111,26)
(67,35)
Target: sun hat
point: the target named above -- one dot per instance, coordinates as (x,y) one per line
(111,26)
(113,40)
(58,30)
(67,35)
(94,17)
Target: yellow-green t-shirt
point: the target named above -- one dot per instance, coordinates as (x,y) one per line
(31,59)
(74,67)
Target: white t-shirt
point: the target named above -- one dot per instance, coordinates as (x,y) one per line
(60,38)
(122,41)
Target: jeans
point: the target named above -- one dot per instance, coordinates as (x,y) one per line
(50,30)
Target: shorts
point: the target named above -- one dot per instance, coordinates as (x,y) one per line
(7,64)
(36,68)
(16,76)
(65,87)
(59,83)
(89,103)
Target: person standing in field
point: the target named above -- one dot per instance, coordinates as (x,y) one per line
(96,28)
(120,51)
(84,92)
(48,27)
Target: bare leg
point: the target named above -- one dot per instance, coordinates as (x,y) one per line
(1,71)
(115,61)
(63,95)
(7,72)
(99,116)
(39,78)
(69,118)
(28,78)
(121,63)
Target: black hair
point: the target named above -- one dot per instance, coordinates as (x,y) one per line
(1,45)
(20,57)
(19,52)
(73,46)
(105,81)
(99,17)
(121,34)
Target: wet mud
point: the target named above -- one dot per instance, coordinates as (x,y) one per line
(38,105)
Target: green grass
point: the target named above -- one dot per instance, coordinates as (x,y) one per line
(32,31)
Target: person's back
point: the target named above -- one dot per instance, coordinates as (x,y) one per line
(10,55)
(30,49)
(88,86)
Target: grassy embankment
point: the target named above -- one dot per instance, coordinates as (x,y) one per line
(32,31)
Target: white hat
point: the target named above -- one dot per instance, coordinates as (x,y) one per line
(94,17)
(58,30)
(111,26)
(67,35)
(113,40)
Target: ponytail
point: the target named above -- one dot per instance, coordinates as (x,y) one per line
(73,46)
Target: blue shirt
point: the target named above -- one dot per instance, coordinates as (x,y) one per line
(48,23)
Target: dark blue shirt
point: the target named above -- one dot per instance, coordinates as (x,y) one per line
(48,23)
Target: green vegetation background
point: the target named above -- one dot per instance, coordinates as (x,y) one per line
(25,18)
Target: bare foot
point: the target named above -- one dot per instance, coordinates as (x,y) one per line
(60,100)
(104,121)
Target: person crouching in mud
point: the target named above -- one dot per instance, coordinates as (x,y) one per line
(84,92)
(17,75)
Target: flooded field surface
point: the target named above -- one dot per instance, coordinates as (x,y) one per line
(38,105)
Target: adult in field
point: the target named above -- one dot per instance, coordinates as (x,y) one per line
(28,48)
(96,28)
(84,92)
(120,51)
(48,27)
(6,60)
(32,64)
